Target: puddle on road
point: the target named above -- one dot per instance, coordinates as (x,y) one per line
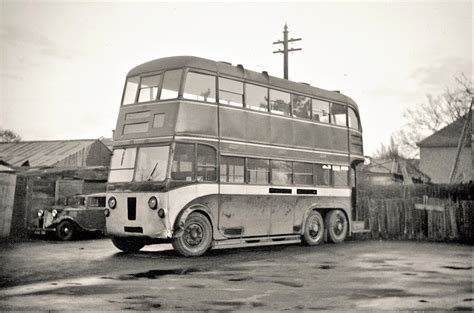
(155,274)
(458,268)
(381,293)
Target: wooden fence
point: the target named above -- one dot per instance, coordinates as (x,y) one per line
(426,212)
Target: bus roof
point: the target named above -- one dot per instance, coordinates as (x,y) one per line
(239,72)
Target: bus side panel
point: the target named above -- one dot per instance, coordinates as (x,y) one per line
(257,127)
(245,215)
(282,214)
(281,132)
(197,119)
(339,139)
(232,123)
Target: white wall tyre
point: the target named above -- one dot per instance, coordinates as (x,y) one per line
(128,245)
(196,238)
(336,225)
(313,229)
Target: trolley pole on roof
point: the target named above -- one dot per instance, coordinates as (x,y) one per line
(286,50)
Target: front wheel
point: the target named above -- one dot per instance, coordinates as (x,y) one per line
(128,245)
(196,237)
(313,229)
(336,224)
(65,230)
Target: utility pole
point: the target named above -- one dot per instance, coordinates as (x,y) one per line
(286,50)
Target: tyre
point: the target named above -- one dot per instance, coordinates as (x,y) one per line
(128,245)
(65,230)
(196,238)
(337,225)
(313,229)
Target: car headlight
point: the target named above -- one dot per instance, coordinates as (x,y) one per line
(112,202)
(54,213)
(40,213)
(153,203)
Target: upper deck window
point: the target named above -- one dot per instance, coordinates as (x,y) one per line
(149,88)
(131,88)
(320,111)
(122,164)
(171,83)
(301,106)
(280,102)
(353,119)
(152,163)
(231,92)
(256,97)
(200,87)
(338,114)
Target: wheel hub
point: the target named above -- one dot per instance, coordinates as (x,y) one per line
(314,228)
(193,235)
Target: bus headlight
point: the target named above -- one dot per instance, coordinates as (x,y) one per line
(54,213)
(161,213)
(112,202)
(153,203)
(106,212)
(40,213)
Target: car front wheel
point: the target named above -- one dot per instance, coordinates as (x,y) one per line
(65,230)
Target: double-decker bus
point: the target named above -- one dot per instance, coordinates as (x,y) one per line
(207,154)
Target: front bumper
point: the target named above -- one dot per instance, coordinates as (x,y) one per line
(36,231)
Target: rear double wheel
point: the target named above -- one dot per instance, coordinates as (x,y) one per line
(196,237)
(337,225)
(313,229)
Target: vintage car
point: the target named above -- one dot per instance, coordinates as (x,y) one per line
(82,213)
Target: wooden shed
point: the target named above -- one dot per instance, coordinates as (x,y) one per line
(7,192)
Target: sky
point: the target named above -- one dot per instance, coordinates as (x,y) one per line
(63,63)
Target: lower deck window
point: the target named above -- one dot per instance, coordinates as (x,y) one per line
(258,171)
(322,174)
(341,175)
(303,173)
(232,169)
(282,172)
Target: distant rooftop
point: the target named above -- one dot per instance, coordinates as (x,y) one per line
(41,153)
(445,137)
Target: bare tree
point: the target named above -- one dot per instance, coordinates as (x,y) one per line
(7,135)
(390,151)
(436,113)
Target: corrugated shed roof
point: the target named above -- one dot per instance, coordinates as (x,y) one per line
(41,153)
(446,137)
(390,167)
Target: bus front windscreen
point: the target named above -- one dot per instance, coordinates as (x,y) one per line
(143,164)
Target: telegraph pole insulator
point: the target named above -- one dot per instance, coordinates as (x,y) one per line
(285,50)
